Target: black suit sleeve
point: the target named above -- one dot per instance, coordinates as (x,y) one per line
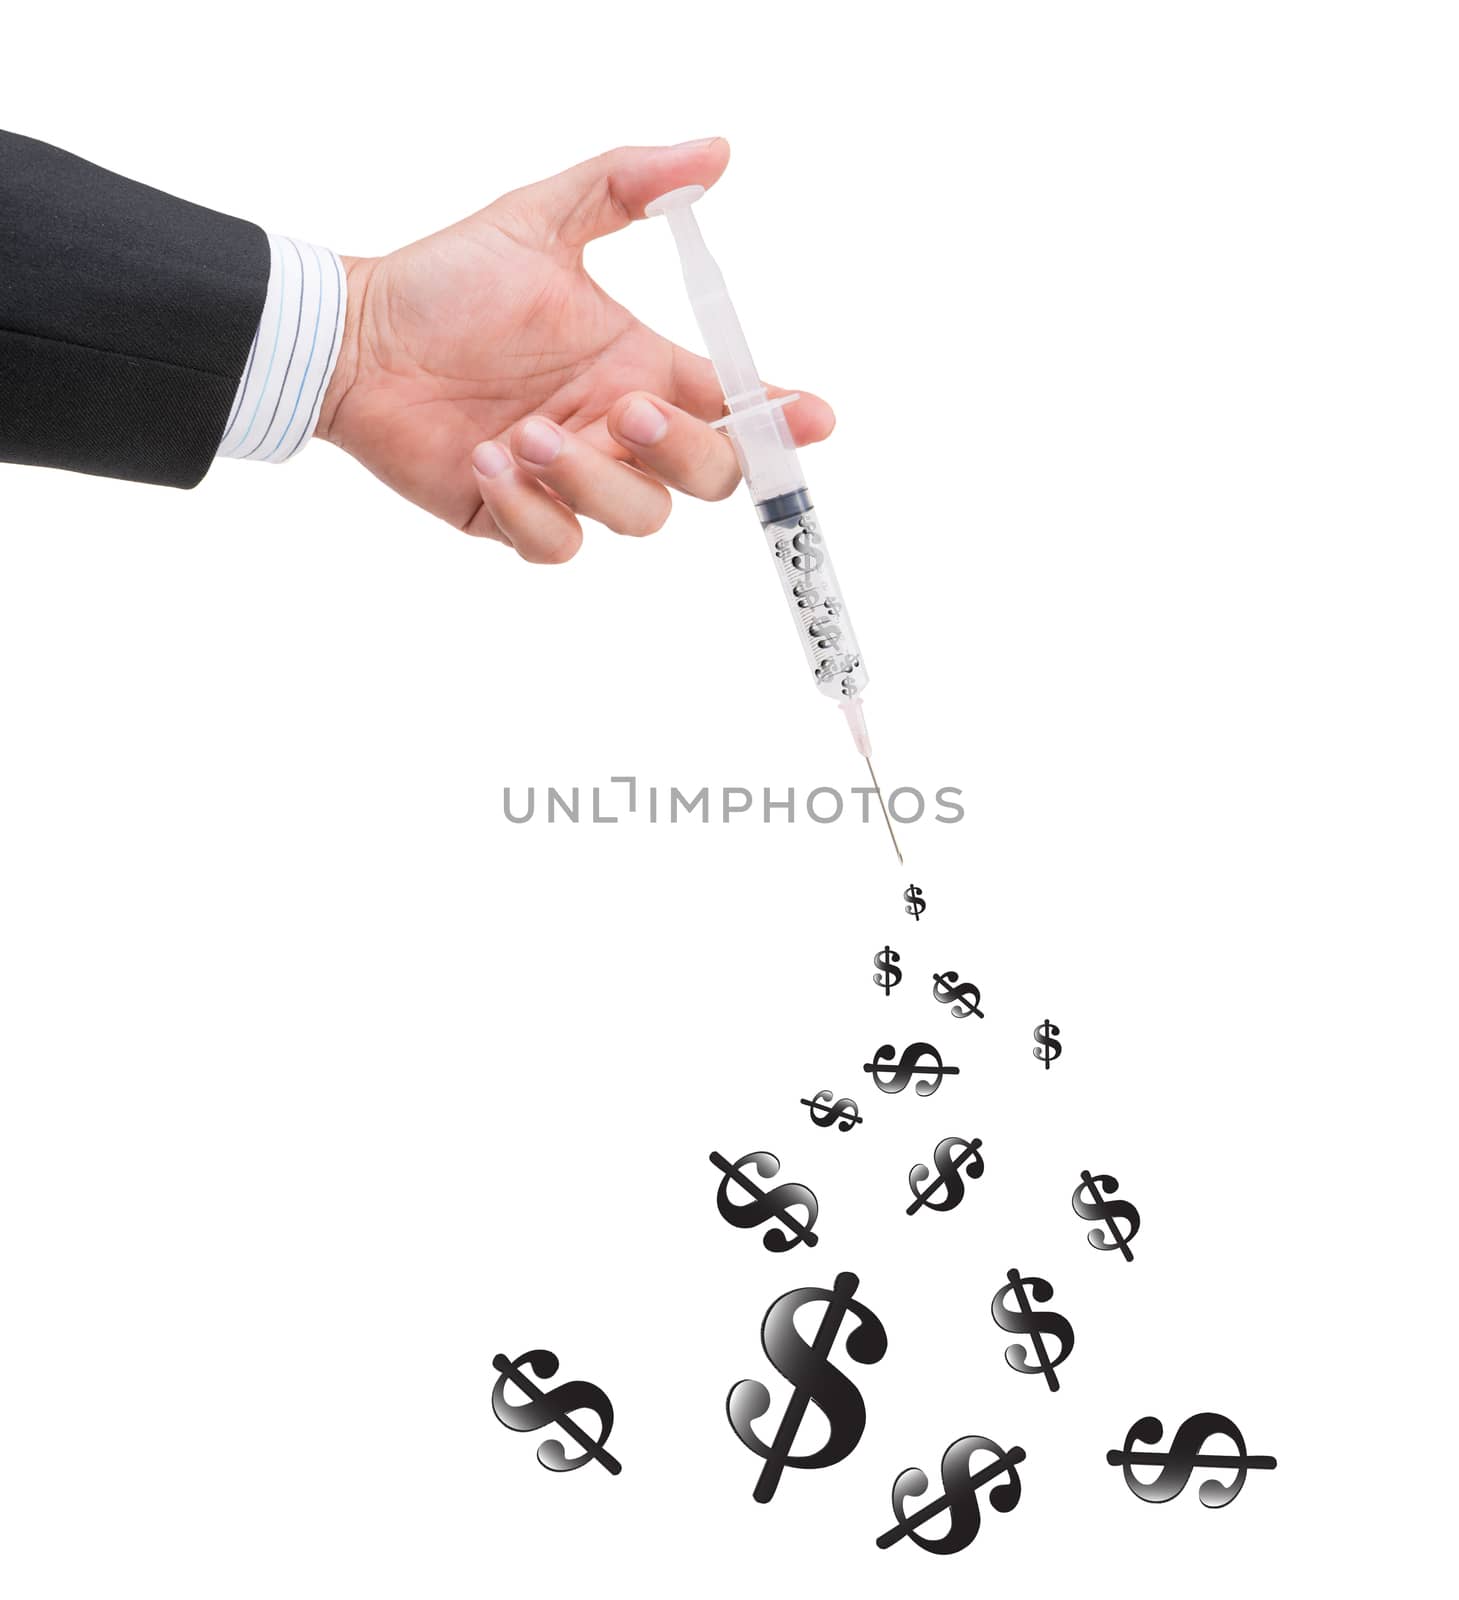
(126,318)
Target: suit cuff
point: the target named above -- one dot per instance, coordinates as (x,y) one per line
(294,350)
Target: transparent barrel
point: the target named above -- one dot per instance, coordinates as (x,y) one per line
(814,596)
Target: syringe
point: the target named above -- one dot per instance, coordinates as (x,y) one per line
(760,434)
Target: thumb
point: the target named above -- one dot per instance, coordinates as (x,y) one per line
(605,194)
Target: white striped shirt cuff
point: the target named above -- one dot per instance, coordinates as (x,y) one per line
(277,405)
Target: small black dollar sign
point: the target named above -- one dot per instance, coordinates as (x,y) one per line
(553,1406)
(1183,1456)
(888,974)
(1035,1323)
(1096,1209)
(948,1157)
(949,992)
(915,905)
(823,1115)
(1046,1044)
(914,1060)
(808,1369)
(762,1206)
(959,1495)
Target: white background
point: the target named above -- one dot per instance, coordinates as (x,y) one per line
(322,1083)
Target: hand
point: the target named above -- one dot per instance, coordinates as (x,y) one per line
(485,376)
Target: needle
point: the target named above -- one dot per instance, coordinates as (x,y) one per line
(875,785)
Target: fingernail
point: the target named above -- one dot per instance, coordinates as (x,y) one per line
(490,459)
(696,144)
(538,441)
(642,423)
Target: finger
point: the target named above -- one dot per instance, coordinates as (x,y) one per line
(810,418)
(686,452)
(540,528)
(696,388)
(674,446)
(605,194)
(594,485)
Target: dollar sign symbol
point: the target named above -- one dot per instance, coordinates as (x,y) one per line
(915,905)
(1035,1323)
(959,1495)
(1184,1454)
(1047,1047)
(807,1367)
(898,1077)
(823,1114)
(760,1207)
(807,544)
(888,974)
(1110,1211)
(553,1406)
(947,990)
(948,1157)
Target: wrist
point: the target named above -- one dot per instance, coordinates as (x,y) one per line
(358,272)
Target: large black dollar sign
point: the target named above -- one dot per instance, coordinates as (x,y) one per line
(959,1495)
(1097,1209)
(888,974)
(1035,1323)
(1046,1047)
(915,905)
(915,1060)
(553,1406)
(1184,1454)
(948,1158)
(964,998)
(760,1207)
(807,1367)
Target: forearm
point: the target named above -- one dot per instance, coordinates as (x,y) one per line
(126,317)
(142,335)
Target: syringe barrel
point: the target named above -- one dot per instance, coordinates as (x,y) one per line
(808,581)
(767,456)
